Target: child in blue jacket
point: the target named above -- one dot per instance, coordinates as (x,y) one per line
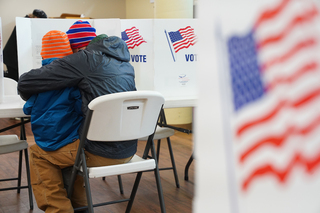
(55,115)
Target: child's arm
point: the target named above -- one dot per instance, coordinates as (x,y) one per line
(27,108)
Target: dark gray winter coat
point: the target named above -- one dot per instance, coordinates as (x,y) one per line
(103,68)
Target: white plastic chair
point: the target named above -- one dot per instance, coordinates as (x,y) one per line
(165,133)
(161,133)
(119,117)
(11,143)
(10,86)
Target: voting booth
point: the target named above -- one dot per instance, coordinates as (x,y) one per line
(31,31)
(163,53)
(139,37)
(262,149)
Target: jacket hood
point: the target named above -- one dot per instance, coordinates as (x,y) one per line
(112,46)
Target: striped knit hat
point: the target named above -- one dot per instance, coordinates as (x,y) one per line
(55,44)
(80,34)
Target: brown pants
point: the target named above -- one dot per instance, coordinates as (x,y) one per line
(47,180)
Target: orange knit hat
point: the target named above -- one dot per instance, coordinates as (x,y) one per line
(55,44)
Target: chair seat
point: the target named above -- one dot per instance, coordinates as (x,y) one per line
(136,164)
(161,132)
(11,143)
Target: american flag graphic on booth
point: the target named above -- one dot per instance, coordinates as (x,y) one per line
(132,37)
(275,75)
(183,38)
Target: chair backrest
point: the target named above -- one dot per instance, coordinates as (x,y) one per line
(10,86)
(124,116)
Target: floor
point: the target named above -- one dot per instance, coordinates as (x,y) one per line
(176,199)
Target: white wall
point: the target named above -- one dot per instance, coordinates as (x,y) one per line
(139,9)
(174,9)
(9,9)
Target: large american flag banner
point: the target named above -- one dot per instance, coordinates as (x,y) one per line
(132,37)
(275,77)
(182,38)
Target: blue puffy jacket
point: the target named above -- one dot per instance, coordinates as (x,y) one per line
(55,116)
(102,68)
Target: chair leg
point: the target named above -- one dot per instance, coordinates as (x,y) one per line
(71,183)
(22,137)
(158,181)
(157,177)
(22,131)
(158,149)
(28,179)
(120,184)
(137,181)
(19,171)
(175,173)
(74,173)
(134,191)
(173,163)
(87,183)
(186,170)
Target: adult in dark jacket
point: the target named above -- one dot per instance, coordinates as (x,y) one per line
(102,68)
(10,54)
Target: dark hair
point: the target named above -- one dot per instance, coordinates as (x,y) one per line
(39,13)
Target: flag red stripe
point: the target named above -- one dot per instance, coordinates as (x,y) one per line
(261,120)
(186,29)
(309,67)
(285,103)
(279,140)
(271,13)
(305,99)
(282,174)
(298,47)
(131,29)
(306,17)
(183,42)
(133,41)
(186,45)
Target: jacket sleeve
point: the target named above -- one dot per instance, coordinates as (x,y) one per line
(27,108)
(61,73)
(76,95)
